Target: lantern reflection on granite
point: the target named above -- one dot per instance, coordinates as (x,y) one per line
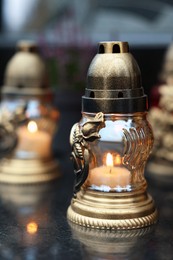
(28,208)
(27,104)
(111,144)
(106,245)
(32,227)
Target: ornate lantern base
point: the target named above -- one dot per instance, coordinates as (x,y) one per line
(28,171)
(112,210)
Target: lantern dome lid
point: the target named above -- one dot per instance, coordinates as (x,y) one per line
(26,71)
(114,82)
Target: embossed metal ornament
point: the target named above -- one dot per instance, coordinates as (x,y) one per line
(80,137)
(111,144)
(8,141)
(8,136)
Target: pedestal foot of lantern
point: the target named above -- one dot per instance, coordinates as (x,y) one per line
(112,211)
(28,171)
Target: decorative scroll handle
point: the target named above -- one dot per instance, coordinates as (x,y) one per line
(80,137)
(8,136)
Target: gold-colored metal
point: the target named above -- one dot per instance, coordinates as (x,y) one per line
(113,95)
(28,171)
(112,210)
(26,72)
(79,138)
(108,46)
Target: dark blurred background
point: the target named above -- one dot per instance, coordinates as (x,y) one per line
(68,31)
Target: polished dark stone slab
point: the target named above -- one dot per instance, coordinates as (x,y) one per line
(33,222)
(45,205)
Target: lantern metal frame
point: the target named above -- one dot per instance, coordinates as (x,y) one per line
(116,91)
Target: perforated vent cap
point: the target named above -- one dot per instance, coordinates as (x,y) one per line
(114,81)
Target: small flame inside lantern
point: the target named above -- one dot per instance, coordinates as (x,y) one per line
(117,160)
(32,127)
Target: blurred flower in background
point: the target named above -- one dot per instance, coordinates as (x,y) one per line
(69,54)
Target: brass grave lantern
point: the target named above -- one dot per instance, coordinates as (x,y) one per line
(27,105)
(111,144)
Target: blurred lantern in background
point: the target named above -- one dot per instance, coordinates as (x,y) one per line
(161,119)
(27,105)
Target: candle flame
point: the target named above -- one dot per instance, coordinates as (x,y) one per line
(32,227)
(32,127)
(117,159)
(109,160)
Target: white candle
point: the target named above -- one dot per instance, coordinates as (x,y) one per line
(110,176)
(33,142)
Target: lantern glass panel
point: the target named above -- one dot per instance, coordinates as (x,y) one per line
(118,157)
(35,122)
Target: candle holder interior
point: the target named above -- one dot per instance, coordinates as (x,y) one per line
(110,146)
(117,158)
(27,106)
